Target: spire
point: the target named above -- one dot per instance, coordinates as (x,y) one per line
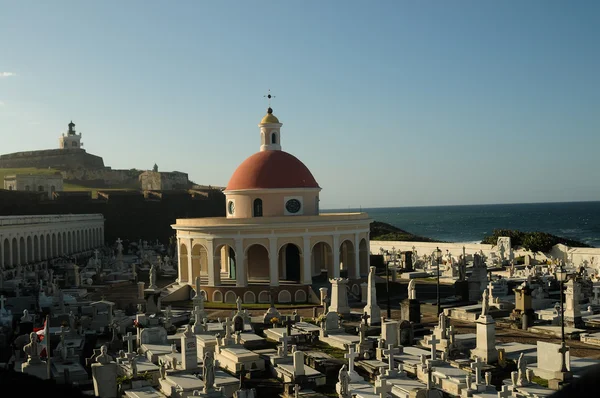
(269,129)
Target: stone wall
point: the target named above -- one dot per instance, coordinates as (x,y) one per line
(157,181)
(105,177)
(52,158)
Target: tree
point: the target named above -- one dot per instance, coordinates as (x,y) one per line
(155,168)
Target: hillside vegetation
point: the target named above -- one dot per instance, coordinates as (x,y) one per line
(384,231)
(533,241)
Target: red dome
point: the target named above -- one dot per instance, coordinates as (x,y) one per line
(271,169)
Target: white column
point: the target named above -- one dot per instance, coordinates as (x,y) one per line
(214,278)
(179,262)
(273,263)
(306,276)
(240,264)
(336,257)
(189,253)
(357,255)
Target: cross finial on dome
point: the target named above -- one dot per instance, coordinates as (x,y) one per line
(269,96)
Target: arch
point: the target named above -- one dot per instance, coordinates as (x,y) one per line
(322,259)
(355,289)
(249,297)
(52,190)
(290,262)
(183,263)
(217,296)
(273,138)
(22,251)
(77,247)
(264,297)
(363,257)
(224,261)
(43,254)
(36,248)
(29,255)
(257,260)
(64,243)
(55,245)
(199,261)
(347,260)
(284,297)
(27,187)
(300,296)
(40,188)
(15,252)
(257,208)
(6,254)
(230,297)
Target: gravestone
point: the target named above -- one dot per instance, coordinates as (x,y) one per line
(339,296)
(372,309)
(189,349)
(153,335)
(406,334)
(238,324)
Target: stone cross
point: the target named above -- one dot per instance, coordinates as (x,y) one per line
(365,317)
(296,391)
(362,332)
(433,341)
(284,340)
(228,325)
(505,392)
(382,387)
(288,325)
(350,357)
(428,370)
(390,354)
(476,366)
(450,334)
(129,339)
(2,300)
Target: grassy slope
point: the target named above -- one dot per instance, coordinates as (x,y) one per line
(67,186)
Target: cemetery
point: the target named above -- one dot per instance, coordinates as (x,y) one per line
(502,334)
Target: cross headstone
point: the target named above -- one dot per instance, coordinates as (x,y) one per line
(129,338)
(505,392)
(382,387)
(284,341)
(288,325)
(2,300)
(228,325)
(296,391)
(427,369)
(450,334)
(390,354)
(433,341)
(476,366)
(365,318)
(350,356)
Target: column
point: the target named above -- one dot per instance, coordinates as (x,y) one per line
(306,275)
(240,264)
(273,263)
(356,255)
(214,278)
(189,253)
(336,257)
(179,262)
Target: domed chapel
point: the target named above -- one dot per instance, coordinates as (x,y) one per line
(273,238)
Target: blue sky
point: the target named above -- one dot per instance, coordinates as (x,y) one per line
(389,103)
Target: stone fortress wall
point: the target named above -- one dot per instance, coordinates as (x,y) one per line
(52,158)
(158,181)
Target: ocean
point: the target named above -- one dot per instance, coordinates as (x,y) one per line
(470,223)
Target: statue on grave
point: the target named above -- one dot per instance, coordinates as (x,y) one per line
(103,358)
(208,371)
(412,293)
(31,349)
(134,368)
(485,302)
(238,303)
(26,317)
(344,381)
(152,277)
(188,331)
(522,370)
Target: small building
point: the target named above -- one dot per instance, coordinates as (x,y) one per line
(48,183)
(70,140)
(161,181)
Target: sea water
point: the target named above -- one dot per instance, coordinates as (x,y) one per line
(471,223)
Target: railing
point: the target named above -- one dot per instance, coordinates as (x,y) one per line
(46,219)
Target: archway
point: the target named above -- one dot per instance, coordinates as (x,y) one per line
(199,261)
(43,254)
(36,249)
(15,252)
(322,259)
(363,257)
(29,255)
(225,263)
(183,263)
(63,249)
(55,246)
(347,260)
(22,251)
(6,254)
(257,261)
(290,263)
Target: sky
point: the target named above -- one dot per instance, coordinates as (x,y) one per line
(389,103)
